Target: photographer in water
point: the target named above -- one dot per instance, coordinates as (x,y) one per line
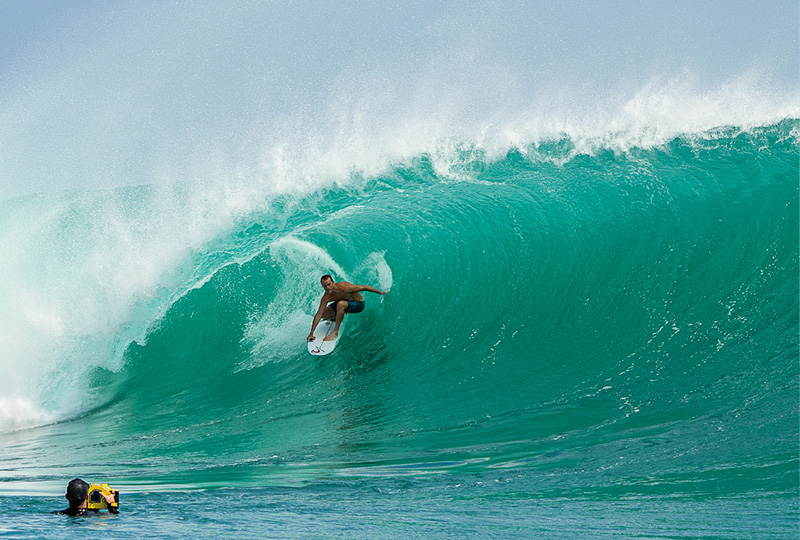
(86,500)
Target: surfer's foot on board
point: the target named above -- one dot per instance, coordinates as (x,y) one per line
(331,337)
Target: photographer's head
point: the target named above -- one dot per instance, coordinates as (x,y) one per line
(77,493)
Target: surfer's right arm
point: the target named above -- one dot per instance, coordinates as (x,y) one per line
(317,318)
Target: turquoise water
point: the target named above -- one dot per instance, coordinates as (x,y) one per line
(408,511)
(581,342)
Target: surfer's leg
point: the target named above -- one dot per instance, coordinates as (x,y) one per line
(341,305)
(329,312)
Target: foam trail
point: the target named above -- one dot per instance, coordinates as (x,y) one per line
(275,333)
(376,265)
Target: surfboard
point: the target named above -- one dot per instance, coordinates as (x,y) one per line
(318,347)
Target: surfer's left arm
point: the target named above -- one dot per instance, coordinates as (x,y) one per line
(350,288)
(372,289)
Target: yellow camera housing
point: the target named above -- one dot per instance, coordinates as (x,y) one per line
(97,493)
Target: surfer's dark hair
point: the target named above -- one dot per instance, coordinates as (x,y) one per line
(77,491)
(326,276)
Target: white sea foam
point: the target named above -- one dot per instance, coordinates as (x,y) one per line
(84,274)
(20,413)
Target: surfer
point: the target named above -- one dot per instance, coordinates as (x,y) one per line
(339,298)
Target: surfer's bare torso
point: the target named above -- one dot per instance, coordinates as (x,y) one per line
(336,293)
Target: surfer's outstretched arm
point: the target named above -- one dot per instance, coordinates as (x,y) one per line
(372,289)
(350,288)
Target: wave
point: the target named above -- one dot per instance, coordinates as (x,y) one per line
(549,307)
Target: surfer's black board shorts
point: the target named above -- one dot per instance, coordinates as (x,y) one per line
(352,306)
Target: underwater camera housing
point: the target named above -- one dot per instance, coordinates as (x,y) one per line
(97,493)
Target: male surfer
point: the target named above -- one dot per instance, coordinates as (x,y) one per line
(339,298)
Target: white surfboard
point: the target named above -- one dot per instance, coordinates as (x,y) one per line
(318,347)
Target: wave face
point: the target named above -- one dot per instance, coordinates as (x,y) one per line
(597,321)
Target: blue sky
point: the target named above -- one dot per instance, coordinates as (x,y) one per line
(711,35)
